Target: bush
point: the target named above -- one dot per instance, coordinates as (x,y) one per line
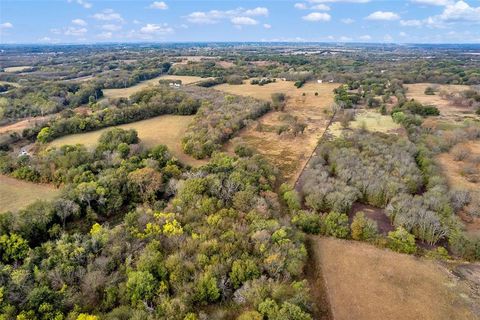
(336,225)
(439,253)
(307,221)
(430,91)
(402,241)
(363,228)
(460,152)
(234,80)
(292,199)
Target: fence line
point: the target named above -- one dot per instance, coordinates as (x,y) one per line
(320,141)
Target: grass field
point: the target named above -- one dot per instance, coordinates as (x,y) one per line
(370,120)
(447,110)
(363,282)
(16,194)
(289,153)
(452,170)
(166,129)
(16,69)
(127,92)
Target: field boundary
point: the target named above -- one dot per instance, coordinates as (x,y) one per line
(314,152)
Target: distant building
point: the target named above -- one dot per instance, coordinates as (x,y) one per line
(319,81)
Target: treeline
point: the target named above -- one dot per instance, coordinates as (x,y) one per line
(218,119)
(46,98)
(380,170)
(132,74)
(222,245)
(145,104)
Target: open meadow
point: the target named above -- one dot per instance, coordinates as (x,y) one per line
(16,69)
(127,92)
(447,108)
(286,151)
(463,175)
(166,129)
(363,281)
(16,194)
(369,120)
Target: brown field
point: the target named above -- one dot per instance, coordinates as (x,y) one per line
(127,92)
(16,194)
(452,170)
(166,129)
(22,124)
(287,152)
(371,120)
(417,91)
(16,69)
(363,282)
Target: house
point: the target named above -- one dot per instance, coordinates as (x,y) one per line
(319,81)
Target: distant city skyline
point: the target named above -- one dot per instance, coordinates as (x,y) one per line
(89,21)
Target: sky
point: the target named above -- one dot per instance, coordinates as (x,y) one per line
(376,21)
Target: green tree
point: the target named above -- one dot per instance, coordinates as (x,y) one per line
(243,270)
(141,286)
(402,241)
(206,289)
(336,224)
(45,135)
(13,248)
(363,228)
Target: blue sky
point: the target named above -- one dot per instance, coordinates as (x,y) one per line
(90,21)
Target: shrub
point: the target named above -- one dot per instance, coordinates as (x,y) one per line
(307,221)
(430,91)
(336,225)
(292,200)
(460,153)
(234,80)
(363,228)
(402,241)
(439,253)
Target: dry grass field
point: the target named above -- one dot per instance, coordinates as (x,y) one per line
(370,120)
(364,282)
(453,171)
(166,129)
(447,110)
(289,153)
(16,194)
(16,69)
(23,124)
(127,92)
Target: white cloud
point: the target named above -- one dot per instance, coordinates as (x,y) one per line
(215,16)
(321,7)
(108,15)
(76,32)
(151,28)
(244,21)
(317,16)
(136,21)
(332,1)
(300,6)
(345,39)
(383,16)
(267,26)
(6,25)
(161,5)
(387,38)
(79,22)
(365,37)
(402,34)
(83,3)
(348,21)
(433,2)
(105,35)
(111,27)
(411,23)
(259,11)
(460,11)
